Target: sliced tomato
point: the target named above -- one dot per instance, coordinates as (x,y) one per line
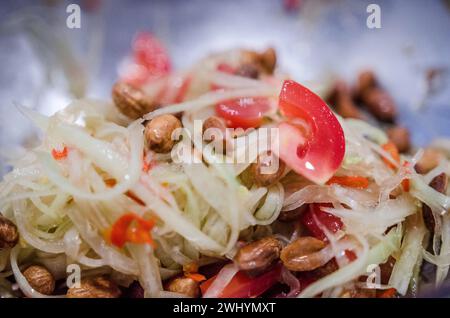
(150,60)
(243,112)
(314,214)
(317,151)
(244,286)
(151,53)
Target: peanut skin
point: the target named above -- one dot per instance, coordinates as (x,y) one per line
(184,285)
(131,101)
(40,279)
(376,99)
(258,256)
(9,235)
(158,133)
(302,254)
(95,287)
(400,137)
(340,98)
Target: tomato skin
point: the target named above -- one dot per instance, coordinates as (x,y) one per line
(243,112)
(244,286)
(150,52)
(150,60)
(317,153)
(328,220)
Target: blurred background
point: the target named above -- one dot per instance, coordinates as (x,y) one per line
(45,64)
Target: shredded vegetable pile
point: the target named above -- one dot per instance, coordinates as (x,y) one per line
(95,194)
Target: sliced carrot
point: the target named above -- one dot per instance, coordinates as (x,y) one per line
(131,228)
(195,276)
(391,148)
(406,185)
(60,154)
(350,181)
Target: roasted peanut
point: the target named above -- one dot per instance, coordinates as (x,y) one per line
(95,287)
(293,215)
(269,60)
(258,256)
(439,183)
(264,172)
(184,285)
(375,98)
(132,101)
(366,81)
(430,159)
(216,127)
(341,99)
(214,122)
(265,62)
(400,137)
(380,104)
(248,70)
(326,269)
(303,254)
(158,132)
(40,279)
(9,236)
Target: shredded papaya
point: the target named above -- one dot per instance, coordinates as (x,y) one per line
(131,228)
(350,181)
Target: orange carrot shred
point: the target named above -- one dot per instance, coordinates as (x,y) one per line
(350,181)
(391,148)
(195,276)
(131,228)
(406,185)
(60,154)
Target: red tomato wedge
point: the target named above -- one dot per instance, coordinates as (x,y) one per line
(315,152)
(150,60)
(310,217)
(244,113)
(151,53)
(244,286)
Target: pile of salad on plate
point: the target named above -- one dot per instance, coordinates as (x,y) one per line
(228,179)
